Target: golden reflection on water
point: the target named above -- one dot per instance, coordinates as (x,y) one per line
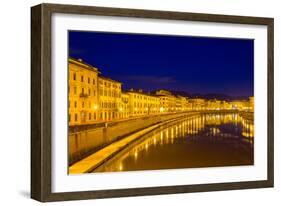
(188,128)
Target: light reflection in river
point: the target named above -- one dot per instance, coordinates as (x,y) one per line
(199,141)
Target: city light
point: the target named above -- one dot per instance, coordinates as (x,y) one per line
(120,167)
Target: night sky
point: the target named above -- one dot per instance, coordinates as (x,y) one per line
(177,63)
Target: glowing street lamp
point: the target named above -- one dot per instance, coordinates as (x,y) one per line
(95,107)
(161,109)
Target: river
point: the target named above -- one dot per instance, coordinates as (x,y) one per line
(206,140)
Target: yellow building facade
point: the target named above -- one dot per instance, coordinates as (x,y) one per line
(217,105)
(109,92)
(181,103)
(82,90)
(197,104)
(124,109)
(141,103)
(168,102)
(252,103)
(241,105)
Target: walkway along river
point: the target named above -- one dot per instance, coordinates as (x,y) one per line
(204,140)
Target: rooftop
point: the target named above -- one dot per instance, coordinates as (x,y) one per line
(80,62)
(109,79)
(140,92)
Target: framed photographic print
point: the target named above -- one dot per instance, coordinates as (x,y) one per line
(132,102)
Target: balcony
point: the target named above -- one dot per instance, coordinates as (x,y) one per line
(84,95)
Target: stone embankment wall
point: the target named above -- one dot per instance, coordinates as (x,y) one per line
(84,142)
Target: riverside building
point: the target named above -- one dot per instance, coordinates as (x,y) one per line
(93,98)
(141,103)
(82,93)
(109,92)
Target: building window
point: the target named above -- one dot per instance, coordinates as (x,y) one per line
(75,104)
(82,78)
(82,104)
(94,93)
(94,81)
(75,90)
(89,91)
(69,117)
(76,117)
(90,116)
(74,76)
(95,116)
(82,90)
(89,80)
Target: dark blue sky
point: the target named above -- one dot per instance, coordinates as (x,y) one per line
(178,63)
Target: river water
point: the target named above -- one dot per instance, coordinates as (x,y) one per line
(206,140)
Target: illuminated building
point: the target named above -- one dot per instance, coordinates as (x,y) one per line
(94,98)
(251,102)
(141,103)
(181,103)
(215,104)
(83,98)
(241,105)
(124,106)
(197,104)
(226,105)
(167,101)
(109,92)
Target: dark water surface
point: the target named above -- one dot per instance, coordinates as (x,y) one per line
(205,140)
